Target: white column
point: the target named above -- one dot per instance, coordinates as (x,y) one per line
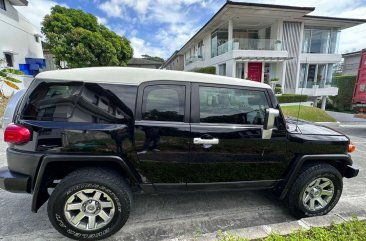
(324,102)
(246,70)
(234,69)
(230,30)
(283,76)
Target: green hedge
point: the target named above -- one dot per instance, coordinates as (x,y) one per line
(206,70)
(346,85)
(291,98)
(278,90)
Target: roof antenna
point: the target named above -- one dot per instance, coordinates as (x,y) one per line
(302,89)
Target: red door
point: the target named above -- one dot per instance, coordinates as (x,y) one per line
(255,71)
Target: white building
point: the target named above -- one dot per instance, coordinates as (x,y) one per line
(20,41)
(351,63)
(264,42)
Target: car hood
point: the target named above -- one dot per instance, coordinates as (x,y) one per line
(308,128)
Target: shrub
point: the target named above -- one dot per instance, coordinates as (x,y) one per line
(346,85)
(206,70)
(291,98)
(278,90)
(329,104)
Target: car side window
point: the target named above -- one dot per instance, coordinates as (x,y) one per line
(232,106)
(163,103)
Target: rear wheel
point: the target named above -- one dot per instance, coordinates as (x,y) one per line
(90,204)
(316,191)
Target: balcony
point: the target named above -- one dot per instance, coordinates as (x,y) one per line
(324,88)
(249,44)
(194,59)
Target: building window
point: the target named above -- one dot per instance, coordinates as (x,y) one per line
(36,37)
(164,103)
(320,40)
(2,5)
(9,59)
(222,69)
(232,106)
(320,75)
(200,52)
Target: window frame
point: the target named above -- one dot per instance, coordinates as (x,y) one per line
(195,108)
(140,95)
(4,4)
(11,58)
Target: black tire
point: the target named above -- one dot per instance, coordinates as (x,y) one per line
(100,179)
(308,175)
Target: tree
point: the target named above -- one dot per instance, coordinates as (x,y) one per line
(157,59)
(77,38)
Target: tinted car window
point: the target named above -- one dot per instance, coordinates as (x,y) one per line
(78,102)
(163,103)
(232,106)
(50,101)
(104,103)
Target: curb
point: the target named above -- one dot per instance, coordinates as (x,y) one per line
(285,228)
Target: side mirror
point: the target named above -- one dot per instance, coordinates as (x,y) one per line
(269,121)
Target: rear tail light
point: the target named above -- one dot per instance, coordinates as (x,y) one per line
(16,134)
(351,147)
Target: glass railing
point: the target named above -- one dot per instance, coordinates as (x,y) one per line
(321,84)
(250,44)
(193,59)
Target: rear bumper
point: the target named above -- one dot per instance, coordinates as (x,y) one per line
(14,182)
(350,172)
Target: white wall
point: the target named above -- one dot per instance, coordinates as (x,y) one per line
(17,35)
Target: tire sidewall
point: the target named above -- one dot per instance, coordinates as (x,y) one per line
(337,182)
(58,219)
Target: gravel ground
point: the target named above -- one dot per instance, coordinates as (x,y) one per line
(168,216)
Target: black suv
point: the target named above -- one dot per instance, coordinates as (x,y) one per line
(85,139)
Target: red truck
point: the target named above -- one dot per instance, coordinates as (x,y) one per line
(359,94)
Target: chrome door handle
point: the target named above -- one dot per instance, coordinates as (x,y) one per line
(199,141)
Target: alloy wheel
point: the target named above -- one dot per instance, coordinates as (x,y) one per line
(89,209)
(318,194)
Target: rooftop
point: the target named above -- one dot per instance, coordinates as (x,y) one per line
(353,53)
(136,76)
(19,2)
(142,61)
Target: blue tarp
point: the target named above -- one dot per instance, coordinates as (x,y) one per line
(32,65)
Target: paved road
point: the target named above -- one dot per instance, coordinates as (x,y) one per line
(159,217)
(346,118)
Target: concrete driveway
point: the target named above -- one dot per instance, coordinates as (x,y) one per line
(188,215)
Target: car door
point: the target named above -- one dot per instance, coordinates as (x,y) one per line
(226,144)
(162,133)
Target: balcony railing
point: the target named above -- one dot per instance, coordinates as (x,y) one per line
(193,59)
(250,44)
(320,85)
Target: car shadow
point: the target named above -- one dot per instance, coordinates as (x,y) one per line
(161,216)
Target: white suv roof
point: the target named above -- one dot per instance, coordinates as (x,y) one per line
(136,76)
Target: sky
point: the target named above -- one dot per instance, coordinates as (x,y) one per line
(159,27)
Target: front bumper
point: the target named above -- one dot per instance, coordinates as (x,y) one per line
(350,172)
(14,182)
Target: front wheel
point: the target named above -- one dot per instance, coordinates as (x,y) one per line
(316,191)
(90,204)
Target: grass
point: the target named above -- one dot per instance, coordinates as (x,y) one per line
(307,113)
(351,230)
(3,103)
